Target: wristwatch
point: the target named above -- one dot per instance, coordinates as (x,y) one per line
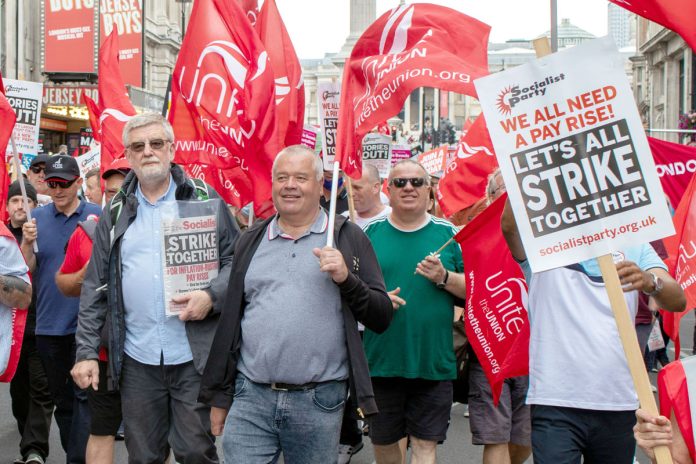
(657,284)
(444,281)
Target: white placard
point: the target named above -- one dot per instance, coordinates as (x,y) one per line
(25,98)
(328,99)
(376,150)
(90,160)
(574,156)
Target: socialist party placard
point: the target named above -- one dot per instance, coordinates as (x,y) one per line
(574,156)
(25,98)
(328,99)
(190,258)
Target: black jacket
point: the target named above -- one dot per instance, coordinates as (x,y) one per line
(363,298)
(102,287)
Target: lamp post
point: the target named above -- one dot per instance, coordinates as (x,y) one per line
(183,17)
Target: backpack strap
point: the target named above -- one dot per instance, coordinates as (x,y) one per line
(89,225)
(115,208)
(201,188)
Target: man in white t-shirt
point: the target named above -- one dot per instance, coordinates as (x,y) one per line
(366,197)
(580,388)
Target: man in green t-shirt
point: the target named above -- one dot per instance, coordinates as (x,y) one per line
(412,363)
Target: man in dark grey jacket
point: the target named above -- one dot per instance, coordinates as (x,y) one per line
(156,360)
(287,348)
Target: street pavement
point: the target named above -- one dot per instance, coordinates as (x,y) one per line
(457,449)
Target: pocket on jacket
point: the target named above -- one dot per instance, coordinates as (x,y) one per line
(330,396)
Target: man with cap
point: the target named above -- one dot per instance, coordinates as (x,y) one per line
(104,404)
(31,400)
(36,176)
(56,314)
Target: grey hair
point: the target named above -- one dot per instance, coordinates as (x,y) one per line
(370,172)
(92,173)
(146,119)
(297,150)
(413,162)
(491,186)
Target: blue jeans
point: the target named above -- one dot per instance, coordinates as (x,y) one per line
(304,424)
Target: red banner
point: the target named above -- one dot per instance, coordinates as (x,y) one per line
(69,36)
(408,47)
(223,98)
(681,248)
(496,303)
(675,165)
(8,117)
(677,15)
(465,178)
(126,18)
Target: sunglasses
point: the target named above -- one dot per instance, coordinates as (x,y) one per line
(156,144)
(400,182)
(66,184)
(37,169)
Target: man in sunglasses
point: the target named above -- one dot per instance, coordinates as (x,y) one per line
(156,361)
(56,314)
(36,177)
(412,364)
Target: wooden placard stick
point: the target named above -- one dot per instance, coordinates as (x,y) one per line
(351,204)
(629,341)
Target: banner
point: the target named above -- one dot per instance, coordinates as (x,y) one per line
(676,15)
(69,38)
(309,136)
(190,258)
(675,165)
(496,302)
(88,161)
(126,18)
(434,160)
(328,99)
(574,156)
(464,180)
(411,46)
(25,98)
(376,150)
(86,140)
(7,123)
(400,152)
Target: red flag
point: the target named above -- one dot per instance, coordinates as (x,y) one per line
(8,117)
(464,180)
(251,8)
(115,108)
(675,165)
(94,114)
(681,248)
(677,15)
(673,387)
(223,97)
(495,285)
(289,86)
(410,46)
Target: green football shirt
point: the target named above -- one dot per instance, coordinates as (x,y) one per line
(418,343)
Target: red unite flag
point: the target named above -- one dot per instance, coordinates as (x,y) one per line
(681,248)
(115,108)
(464,180)
(677,15)
(8,117)
(408,47)
(289,86)
(495,318)
(223,99)
(94,114)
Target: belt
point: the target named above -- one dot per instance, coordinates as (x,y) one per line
(279,386)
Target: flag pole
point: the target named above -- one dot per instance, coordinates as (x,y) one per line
(250,219)
(332,206)
(22,188)
(351,203)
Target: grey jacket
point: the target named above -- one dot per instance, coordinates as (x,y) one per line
(101,300)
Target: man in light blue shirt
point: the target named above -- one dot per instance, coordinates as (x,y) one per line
(155,359)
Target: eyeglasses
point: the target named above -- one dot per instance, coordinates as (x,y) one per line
(400,182)
(156,144)
(66,184)
(37,169)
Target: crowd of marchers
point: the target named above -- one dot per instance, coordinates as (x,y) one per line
(303,341)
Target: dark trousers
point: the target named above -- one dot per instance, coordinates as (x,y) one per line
(32,406)
(72,414)
(161,409)
(565,435)
(350,432)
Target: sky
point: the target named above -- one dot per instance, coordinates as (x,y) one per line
(317,27)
